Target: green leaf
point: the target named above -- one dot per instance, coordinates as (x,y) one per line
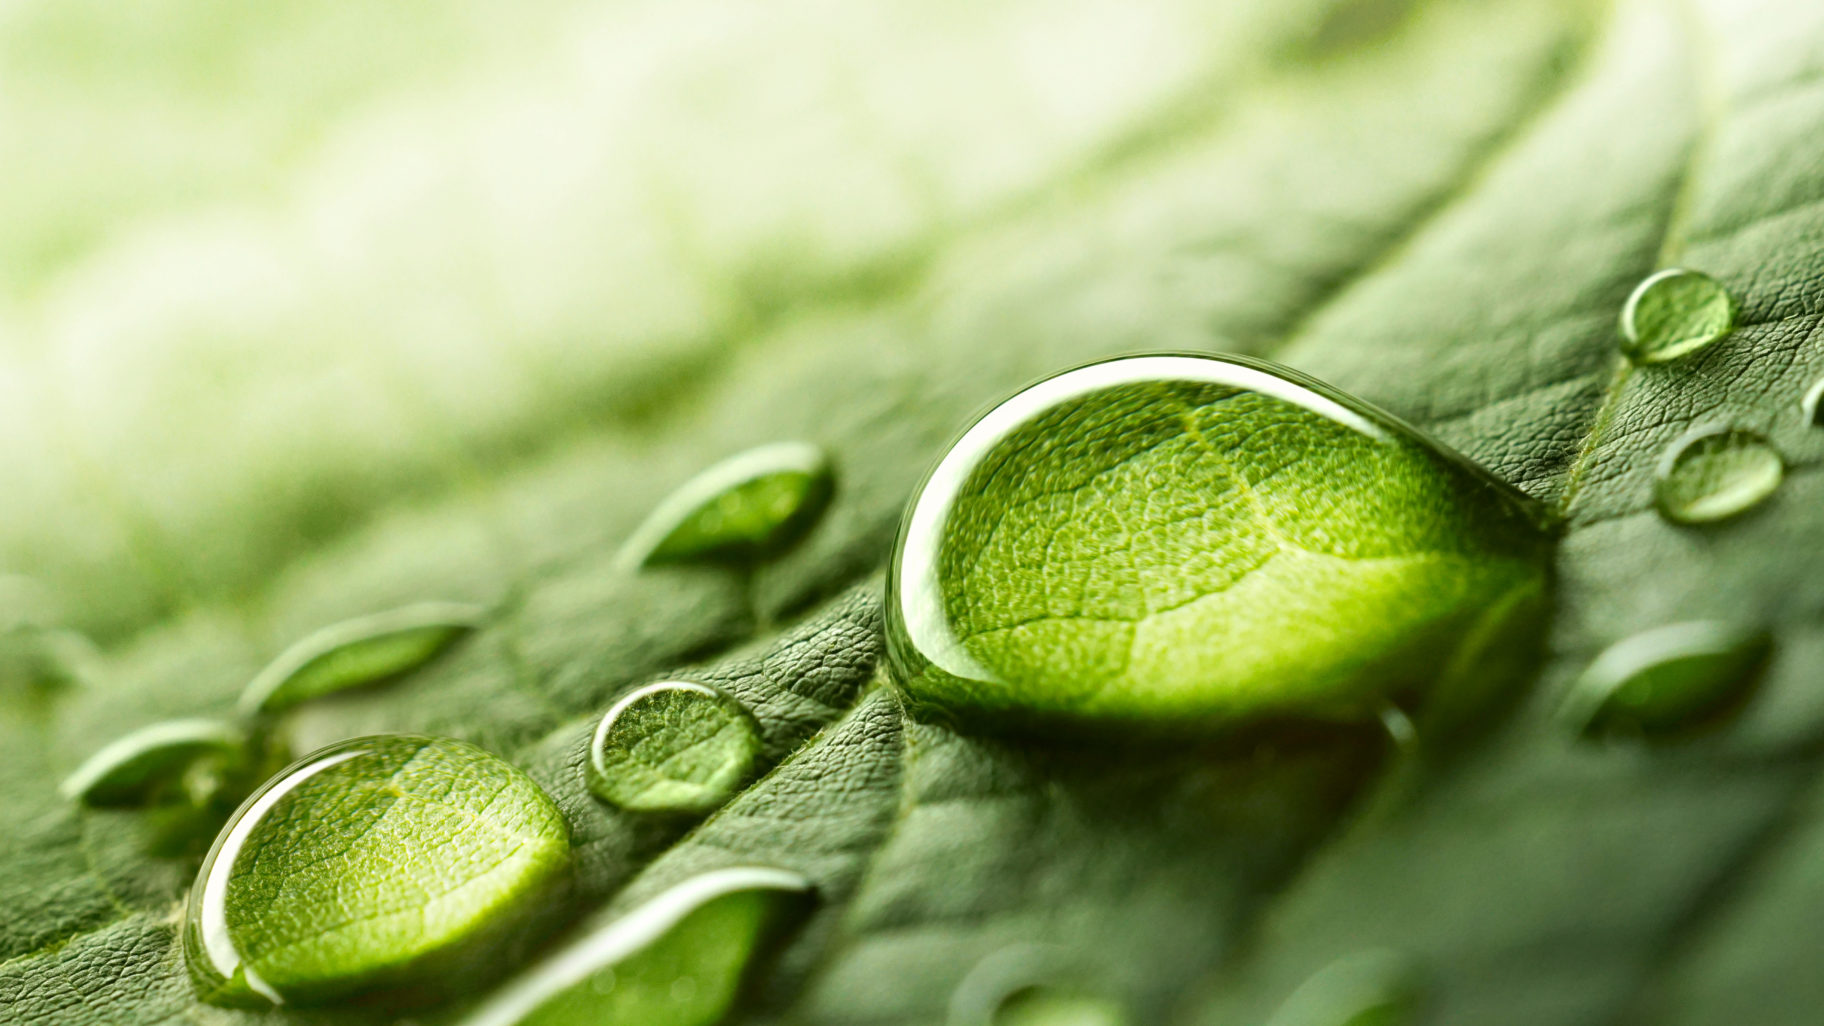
(315,315)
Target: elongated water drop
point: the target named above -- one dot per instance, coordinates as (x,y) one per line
(1372,988)
(675,746)
(1668,680)
(748,507)
(1046,1006)
(1814,415)
(677,960)
(387,863)
(1675,312)
(154,761)
(1181,540)
(1715,473)
(358,652)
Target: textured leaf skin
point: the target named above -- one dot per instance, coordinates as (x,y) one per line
(1440,207)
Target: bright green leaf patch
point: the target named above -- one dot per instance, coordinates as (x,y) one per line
(391,863)
(1178,540)
(358,652)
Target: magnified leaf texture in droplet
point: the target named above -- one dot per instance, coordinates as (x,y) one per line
(750,506)
(675,746)
(1715,473)
(677,960)
(365,650)
(1674,313)
(1183,540)
(135,769)
(392,863)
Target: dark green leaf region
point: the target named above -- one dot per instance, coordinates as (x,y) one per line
(748,507)
(396,863)
(674,746)
(358,652)
(677,960)
(1172,540)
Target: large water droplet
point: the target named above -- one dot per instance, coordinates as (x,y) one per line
(358,652)
(1372,988)
(1672,313)
(154,762)
(677,960)
(1175,540)
(382,863)
(1715,473)
(748,507)
(1668,679)
(675,746)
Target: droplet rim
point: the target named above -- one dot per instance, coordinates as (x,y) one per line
(206,736)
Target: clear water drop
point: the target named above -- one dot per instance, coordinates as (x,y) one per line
(1370,988)
(1184,540)
(675,746)
(356,653)
(1667,680)
(1715,473)
(381,864)
(679,959)
(164,760)
(1673,313)
(748,507)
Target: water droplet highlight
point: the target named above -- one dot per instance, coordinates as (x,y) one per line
(1811,403)
(1668,680)
(748,507)
(1180,540)
(152,763)
(358,652)
(1715,473)
(383,863)
(676,746)
(1675,312)
(677,960)
(1372,988)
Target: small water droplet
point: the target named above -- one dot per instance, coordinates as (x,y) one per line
(677,959)
(748,507)
(358,652)
(1173,540)
(152,762)
(1715,473)
(1371,988)
(1675,312)
(675,746)
(383,862)
(1811,403)
(1048,1006)
(1668,680)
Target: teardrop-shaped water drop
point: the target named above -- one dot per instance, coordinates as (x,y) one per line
(1180,540)
(1673,313)
(358,652)
(380,864)
(748,507)
(1668,680)
(153,761)
(1715,473)
(1371,988)
(675,746)
(677,960)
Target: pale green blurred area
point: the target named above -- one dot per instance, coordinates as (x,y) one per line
(267,267)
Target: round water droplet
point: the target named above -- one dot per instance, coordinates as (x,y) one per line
(1047,1006)
(1668,680)
(1672,313)
(383,863)
(358,652)
(1177,540)
(1715,473)
(678,959)
(676,746)
(1372,988)
(154,762)
(748,507)
(1811,405)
